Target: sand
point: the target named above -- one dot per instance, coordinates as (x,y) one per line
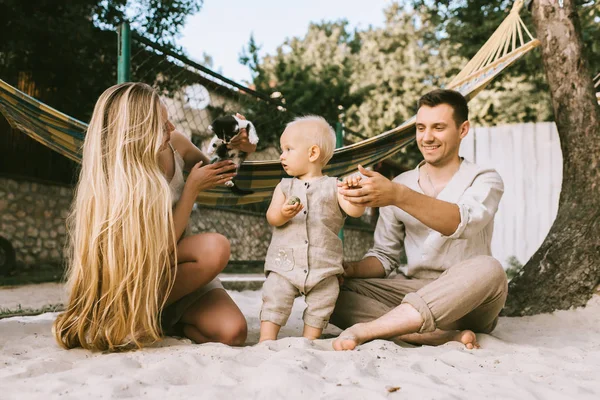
(551,356)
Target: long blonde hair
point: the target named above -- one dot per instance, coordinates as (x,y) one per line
(120,227)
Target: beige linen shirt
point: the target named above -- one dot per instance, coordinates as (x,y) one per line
(477,192)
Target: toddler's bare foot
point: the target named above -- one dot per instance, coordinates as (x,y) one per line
(268,331)
(311,333)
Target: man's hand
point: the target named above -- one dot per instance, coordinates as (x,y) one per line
(241,141)
(348,269)
(375,190)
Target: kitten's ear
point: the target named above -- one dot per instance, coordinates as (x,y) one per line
(252,136)
(242,123)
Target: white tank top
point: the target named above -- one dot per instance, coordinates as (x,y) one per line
(177,182)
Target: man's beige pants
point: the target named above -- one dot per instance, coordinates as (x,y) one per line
(468,295)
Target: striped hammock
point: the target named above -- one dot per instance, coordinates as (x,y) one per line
(65,134)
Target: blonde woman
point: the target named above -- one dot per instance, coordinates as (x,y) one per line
(131,268)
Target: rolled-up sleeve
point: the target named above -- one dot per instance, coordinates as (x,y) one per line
(389,240)
(479,204)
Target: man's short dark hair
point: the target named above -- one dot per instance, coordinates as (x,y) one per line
(451,97)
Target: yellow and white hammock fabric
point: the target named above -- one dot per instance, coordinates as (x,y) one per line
(65,134)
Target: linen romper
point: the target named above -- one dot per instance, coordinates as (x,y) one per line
(305,255)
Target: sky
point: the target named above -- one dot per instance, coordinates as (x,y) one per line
(223,27)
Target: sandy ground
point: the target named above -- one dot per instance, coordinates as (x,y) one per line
(553,356)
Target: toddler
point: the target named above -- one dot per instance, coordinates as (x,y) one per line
(307,213)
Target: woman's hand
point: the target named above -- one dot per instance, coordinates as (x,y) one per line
(206,177)
(241,141)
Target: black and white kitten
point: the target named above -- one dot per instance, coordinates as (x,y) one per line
(226,128)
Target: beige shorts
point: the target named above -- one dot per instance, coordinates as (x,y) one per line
(174,312)
(278,298)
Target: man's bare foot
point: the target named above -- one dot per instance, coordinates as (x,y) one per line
(350,338)
(467,338)
(439,337)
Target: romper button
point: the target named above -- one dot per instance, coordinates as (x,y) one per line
(305,271)
(304,211)
(306,242)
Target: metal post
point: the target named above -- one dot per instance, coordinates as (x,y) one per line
(124,55)
(339,142)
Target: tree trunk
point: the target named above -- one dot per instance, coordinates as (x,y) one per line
(566,268)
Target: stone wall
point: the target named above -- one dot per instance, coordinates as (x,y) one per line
(32,218)
(250,234)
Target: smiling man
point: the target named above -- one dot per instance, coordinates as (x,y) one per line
(441,216)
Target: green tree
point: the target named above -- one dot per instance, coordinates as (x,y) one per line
(310,74)
(566,268)
(159,20)
(521,94)
(370,80)
(394,67)
(64,53)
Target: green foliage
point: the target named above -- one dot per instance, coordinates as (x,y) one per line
(302,66)
(64,53)
(23,312)
(311,75)
(390,74)
(371,79)
(160,20)
(514,267)
(521,93)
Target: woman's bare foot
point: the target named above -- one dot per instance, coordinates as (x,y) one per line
(439,337)
(350,338)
